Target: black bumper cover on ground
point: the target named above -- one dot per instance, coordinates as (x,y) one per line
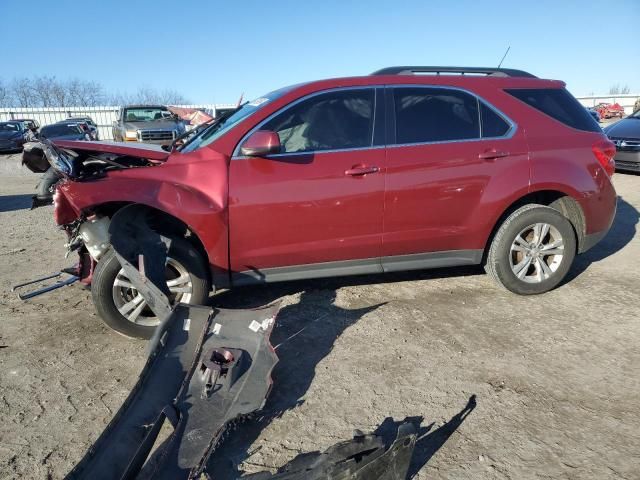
(176,384)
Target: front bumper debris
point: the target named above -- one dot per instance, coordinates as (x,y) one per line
(191,380)
(207,369)
(363,458)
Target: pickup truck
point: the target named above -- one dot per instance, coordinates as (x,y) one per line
(148,124)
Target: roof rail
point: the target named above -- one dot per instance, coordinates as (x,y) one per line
(489,71)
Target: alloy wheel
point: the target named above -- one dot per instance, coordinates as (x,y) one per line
(536,253)
(133,306)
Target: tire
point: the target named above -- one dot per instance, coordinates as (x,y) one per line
(508,256)
(183,260)
(44,190)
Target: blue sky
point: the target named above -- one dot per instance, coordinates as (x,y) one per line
(212,51)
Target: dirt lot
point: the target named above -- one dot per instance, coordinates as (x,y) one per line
(554,377)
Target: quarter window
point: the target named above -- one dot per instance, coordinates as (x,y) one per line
(329,121)
(435,115)
(557,103)
(493,125)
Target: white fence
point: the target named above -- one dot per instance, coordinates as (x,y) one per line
(627,101)
(103,116)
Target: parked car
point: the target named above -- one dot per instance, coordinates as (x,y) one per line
(625,134)
(31,124)
(609,110)
(65,131)
(13,135)
(594,114)
(91,125)
(398,170)
(147,123)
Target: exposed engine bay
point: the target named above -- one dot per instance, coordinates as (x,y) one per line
(87,160)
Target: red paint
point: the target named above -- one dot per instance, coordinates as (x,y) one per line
(444,197)
(255,212)
(262,141)
(304,209)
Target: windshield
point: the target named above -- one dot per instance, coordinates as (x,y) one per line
(226,123)
(635,114)
(145,114)
(10,127)
(60,131)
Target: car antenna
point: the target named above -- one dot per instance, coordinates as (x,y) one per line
(504,56)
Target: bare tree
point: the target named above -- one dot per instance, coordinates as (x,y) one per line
(47,91)
(172,97)
(618,90)
(22,91)
(60,94)
(148,95)
(43,88)
(84,93)
(5,95)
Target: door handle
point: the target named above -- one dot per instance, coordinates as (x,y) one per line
(361,170)
(493,154)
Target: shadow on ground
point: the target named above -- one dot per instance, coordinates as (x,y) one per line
(9,203)
(224,463)
(622,232)
(305,334)
(429,441)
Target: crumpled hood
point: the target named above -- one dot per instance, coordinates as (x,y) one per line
(139,150)
(79,160)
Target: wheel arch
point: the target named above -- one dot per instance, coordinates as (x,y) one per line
(556,199)
(163,222)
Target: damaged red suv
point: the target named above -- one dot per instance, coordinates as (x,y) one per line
(408,168)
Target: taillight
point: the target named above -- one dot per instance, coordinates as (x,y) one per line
(605,150)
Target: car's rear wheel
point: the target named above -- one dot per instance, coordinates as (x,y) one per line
(123,309)
(532,251)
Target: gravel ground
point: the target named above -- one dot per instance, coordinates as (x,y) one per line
(507,386)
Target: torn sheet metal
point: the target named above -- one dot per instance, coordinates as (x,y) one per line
(194,116)
(363,458)
(190,380)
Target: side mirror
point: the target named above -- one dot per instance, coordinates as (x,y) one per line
(261,143)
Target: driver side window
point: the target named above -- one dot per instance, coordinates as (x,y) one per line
(328,121)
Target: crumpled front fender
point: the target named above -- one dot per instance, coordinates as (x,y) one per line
(195,193)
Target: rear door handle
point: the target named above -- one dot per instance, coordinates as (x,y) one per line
(493,154)
(361,170)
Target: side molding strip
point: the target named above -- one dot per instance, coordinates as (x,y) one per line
(417,261)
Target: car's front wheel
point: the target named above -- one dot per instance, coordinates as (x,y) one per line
(123,309)
(532,251)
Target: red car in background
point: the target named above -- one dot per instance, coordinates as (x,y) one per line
(609,110)
(408,168)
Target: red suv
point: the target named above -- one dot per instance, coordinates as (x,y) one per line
(408,168)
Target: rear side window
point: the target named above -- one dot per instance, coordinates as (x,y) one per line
(435,115)
(493,125)
(558,104)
